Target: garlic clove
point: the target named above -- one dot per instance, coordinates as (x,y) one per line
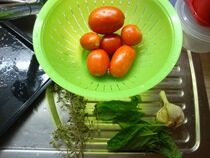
(180,119)
(170,114)
(162,115)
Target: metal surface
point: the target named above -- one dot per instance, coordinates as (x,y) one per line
(21,1)
(21,80)
(181,89)
(16,10)
(32,135)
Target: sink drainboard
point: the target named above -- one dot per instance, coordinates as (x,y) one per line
(32,135)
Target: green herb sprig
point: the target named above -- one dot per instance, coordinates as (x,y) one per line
(74,133)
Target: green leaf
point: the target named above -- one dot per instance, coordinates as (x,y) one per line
(168,147)
(122,138)
(129,117)
(118,111)
(147,138)
(143,140)
(136,134)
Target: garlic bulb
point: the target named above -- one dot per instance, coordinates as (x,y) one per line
(170,114)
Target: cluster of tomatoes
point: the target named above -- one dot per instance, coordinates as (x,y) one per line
(109,52)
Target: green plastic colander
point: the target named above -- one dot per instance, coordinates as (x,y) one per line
(61,23)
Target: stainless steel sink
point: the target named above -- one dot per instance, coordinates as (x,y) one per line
(31,134)
(26,24)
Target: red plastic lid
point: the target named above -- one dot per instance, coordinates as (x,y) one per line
(202,21)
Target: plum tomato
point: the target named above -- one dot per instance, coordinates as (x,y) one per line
(106,19)
(90,41)
(122,61)
(110,43)
(98,62)
(131,35)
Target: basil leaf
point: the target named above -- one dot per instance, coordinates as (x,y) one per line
(168,147)
(122,138)
(115,110)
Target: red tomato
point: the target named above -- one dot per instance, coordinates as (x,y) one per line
(98,62)
(90,41)
(131,35)
(122,61)
(106,19)
(110,43)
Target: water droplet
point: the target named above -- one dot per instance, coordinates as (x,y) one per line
(3,70)
(14,62)
(21,93)
(7,78)
(3,85)
(2,38)
(13,88)
(2,59)
(15,68)
(44,109)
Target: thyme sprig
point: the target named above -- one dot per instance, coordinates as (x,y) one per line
(71,135)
